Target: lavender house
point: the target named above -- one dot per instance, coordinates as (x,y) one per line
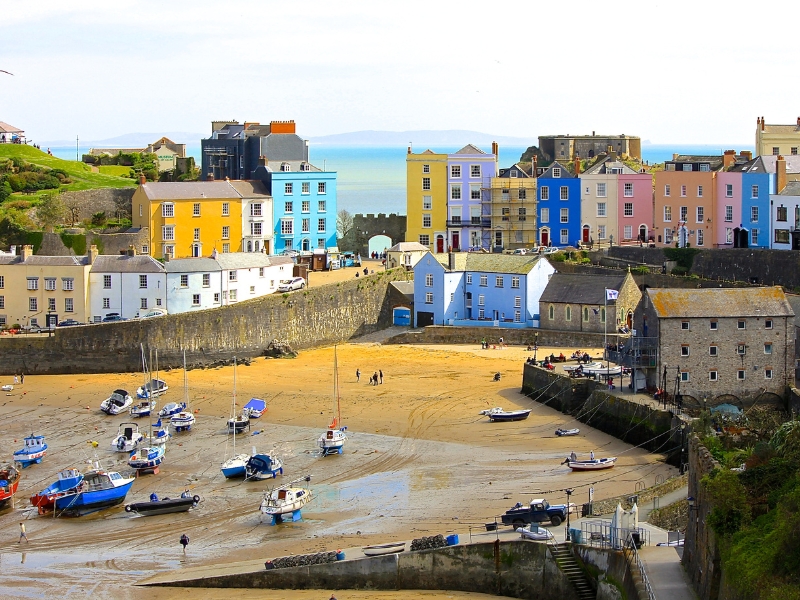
(468,171)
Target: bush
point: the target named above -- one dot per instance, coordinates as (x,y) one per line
(641,270)
(680,270)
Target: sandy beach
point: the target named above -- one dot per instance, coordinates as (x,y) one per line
(419,461)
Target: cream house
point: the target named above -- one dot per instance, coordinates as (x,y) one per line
(44,290)
(777,139)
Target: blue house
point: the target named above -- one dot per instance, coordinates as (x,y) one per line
(757,183)
(558,209)
(304,204)
(479,290)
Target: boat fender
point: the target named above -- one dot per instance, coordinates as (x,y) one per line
(128,508)
(196,499)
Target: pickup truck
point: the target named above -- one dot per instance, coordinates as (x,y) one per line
(539,511)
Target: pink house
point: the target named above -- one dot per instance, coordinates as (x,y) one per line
(727,213)
(635,206)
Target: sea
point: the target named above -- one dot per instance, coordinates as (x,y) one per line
(372,179)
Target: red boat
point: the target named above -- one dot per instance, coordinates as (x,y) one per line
(9,480)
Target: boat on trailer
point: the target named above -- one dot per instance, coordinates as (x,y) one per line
(382,549)
(163,506)
(263,466)
(498,414)
(285,502)
(33,451)
(594,464)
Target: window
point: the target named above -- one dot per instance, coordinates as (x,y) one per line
(2,281)
(33,304)
(627,232)
(685,325)
(426,203)
(321,206)
(794,150)
(556,171)
(498,281)
(474,171)
(305,224)
(729,190)
(729,235)
(568,313)
(545,216)
(585,314)
(667,214)
(426,183)
(69,305)
(475,192)
(481,300)
(754,191)
(627,209)
(206,280)
(517,301)
(686,167)
(195,212)
(428,280)
(601,209)
(288,189)
(741,324)
(469,278)
(683,191)
(564,215)
(184,281)
(684,213)
(667,235)
(305,187)
(545,193)
(169,250)
(33,283)
(141,212)
(515,282)
(142,302)
(628,190)
(781,214)
(167,210)
(455,171)
(305,206)
(484,281)
(729,214)
(740,374)
(768,348)
(226,209)
(233,295)
(226,232)
(684,350)
(425,240)
(684,375)
(767,373)
(256,229)
(754,237)
(142,282)
(551,312)
(712,350)
(713,325)
(196,299)
(429,298)
(321,187)
(50,284)
(255,210)
(67,284)
(106,303)
(667,190)
(564,235)
(233,275)
(426,168)
(781,236)
(426,221)
(564,192)
(196,234)
(712,376)
(455,192)
(168,233)
(768,324)
(699,191)
(601,232)
(700,237)
(51,304)
(601,190)
(701,213)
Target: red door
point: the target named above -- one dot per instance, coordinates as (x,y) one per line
(439,244)
(456,241)
(545,237)
(585,234)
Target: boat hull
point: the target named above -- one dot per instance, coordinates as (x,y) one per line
(517,415)
(163,507)
(147,458)
(84,503)
(27,459)
(567,432)
(262,466)
(598,464)
(382,549)
(9,481)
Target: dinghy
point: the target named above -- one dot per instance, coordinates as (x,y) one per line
(256,407)
(498,414)
(595,464)
(164,506)
(143,409)
(534,532)
(567,432)
(381,549)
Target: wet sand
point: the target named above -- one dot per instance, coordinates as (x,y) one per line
(419,461)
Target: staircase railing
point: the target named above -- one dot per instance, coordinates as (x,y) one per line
(631,554)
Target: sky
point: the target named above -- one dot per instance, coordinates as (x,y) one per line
(684,72)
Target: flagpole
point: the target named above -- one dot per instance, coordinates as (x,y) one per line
(605,327)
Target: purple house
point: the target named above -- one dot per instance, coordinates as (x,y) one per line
(468,172)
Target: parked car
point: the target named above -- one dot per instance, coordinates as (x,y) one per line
(112,317)
(289,285)
(150,312)
(290,253)
(539,511)
(36,329)
(520,251)
(69,323)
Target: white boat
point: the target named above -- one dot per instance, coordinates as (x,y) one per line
(567,432)
(172,408)
(152,389)
(604,370)
(590,366)
(594,464)
(381,549)
(7,388)
(286,500)
(240,422)
(159,433)
(236,465)
(128,438)
(143,409)
(183,420)
(32,452)
(498,414)
(263,466)
(147,458)
(117,402)
(333,440)
(534,532)
(256,407)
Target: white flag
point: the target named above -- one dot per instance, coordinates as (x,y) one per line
(611,294)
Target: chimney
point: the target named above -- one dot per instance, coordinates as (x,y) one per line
(142,179)
(27,252)
(780,174)
(167,256)
(592,133)
(452,260)
(262,161)
(131,250)
(577,164)
(495,149)
(609,148)
(612,154)
(675,156)
(762,123)
(409,149)
(798,121)
(92,254)
(535,165)
(748,156)
(728,158)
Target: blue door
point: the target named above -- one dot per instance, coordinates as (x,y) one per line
(402,316)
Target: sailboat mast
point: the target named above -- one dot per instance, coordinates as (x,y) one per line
(185,381)
(336,386)
(233,410)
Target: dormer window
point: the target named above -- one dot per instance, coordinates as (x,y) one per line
(305,167)
(705,167)
(286,167)
(556,172)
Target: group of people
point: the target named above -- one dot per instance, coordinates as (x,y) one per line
(366,272)
(377,255)
(19,379)
(375,379)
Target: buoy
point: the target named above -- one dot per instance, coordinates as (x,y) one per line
(87,408)
(196,410)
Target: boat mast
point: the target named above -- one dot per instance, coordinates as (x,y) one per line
(338,419)
(233,408)
(185,382)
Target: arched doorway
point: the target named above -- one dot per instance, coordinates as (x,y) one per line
(249,246)
(643,233)
(379,243)
(629,320)
(585,234)
(439,244)
(545,237)
(306,245)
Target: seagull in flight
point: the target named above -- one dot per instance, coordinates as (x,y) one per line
(6,72)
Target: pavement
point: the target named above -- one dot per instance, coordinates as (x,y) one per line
(665,572)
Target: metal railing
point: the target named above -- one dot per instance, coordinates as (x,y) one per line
(630,551)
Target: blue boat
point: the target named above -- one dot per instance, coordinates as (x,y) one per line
(99,489)
(256,407)
(33,451)
(263,466)
(172,408)
(147,458)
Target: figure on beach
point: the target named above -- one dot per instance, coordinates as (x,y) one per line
(358,375)
(380,374)
(22,534)
(184,542)
(591,455)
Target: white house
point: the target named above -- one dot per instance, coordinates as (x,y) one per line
(257,216)
(125,284)
(223,279)
(405,254)
(785,217)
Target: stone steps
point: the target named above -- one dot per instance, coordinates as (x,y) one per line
(565,559)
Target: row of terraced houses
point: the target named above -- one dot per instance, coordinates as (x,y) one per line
(465,201)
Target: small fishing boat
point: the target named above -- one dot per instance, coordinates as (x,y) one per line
(381,549)
(567,432)
(263,466)
(256,407)
(77,494)
(286,500)
(589,366)
(147,458)
(498,414)
(172,408)
(333,440)
(534,532)
(33,451)
(143,409)
(163,506)
(594,464)
(117,402)
(183,420)
(152,389)
(7,388)
(9,480)
(604,370)
(128,438)
(239,422)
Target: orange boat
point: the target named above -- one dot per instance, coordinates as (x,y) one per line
(9,480)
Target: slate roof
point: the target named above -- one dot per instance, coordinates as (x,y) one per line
(226,261)
(573,288)
(248,188)
(792,189)
(45,261)
(407,247)
(781,128)
(489,263)
(294,166)
(675,303)
(243,260)
(199,190)
(122,263)
(191,265)
(470,149)
(565,172)
(766,164)
(523,170)
(603,163)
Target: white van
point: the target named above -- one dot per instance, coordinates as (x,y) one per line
(150,312)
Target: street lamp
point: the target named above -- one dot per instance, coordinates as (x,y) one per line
(535,346)
(569,493)
(49,324)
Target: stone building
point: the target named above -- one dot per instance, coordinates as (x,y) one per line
(717,346)
(566,147)
(578,302)
(777,139)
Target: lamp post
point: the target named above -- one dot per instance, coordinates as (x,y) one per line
(535,346)
(49,324)
(568,491)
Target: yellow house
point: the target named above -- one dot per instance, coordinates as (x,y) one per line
(426,199)
(44,290)
(194,218)
(777,139)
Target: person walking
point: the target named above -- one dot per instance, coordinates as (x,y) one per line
(381,376)
(358,375)
(22,534)
(591,455)
(375,377)
(16,380)
(184,542)
(22,379)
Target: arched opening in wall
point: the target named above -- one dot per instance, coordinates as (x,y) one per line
(771,400)
(629,320)
(545,236)
(439,243)
(585,235)
(306,245)
(725,403)
(379,243)
(249,246)
(642,233)
(690,402)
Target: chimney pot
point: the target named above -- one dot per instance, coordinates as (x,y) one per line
(27,251)
(92,254)
(762,123)
(142,179)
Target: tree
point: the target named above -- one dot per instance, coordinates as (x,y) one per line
(344,223)
(50,211)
